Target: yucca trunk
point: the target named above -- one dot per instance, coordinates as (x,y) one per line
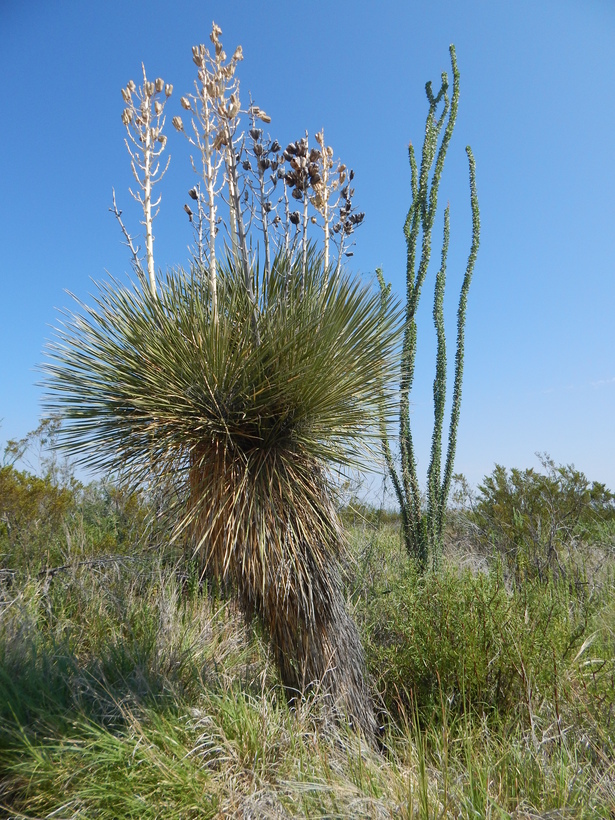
(254,529)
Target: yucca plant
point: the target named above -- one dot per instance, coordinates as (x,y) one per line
(235,391)
(245,423)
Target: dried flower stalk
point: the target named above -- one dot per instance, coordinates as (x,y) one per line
(144,120)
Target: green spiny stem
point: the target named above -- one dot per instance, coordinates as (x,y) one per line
(423,529)
(439,389)
(461,320)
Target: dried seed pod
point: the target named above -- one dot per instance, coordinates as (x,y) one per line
(149,88)
(258,149)
(168,90)
(297,194)
(131,86)
(193,193)
(185,103)
(246,165)
(162,140)
(313,220)
(189,212)
(177,123)
(158,108)
(219,141)
(295,217)
(126,116)
(126,95)
(196,56)
(159,84)
(256,133)
(233,107)
(275,146)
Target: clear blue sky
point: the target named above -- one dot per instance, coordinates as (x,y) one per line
(536,105)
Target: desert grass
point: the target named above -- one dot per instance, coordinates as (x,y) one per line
(129,690)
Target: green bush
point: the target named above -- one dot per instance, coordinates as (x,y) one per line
(32,514)
(538,522)
(465,639)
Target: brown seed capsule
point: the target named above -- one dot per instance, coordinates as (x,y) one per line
(159,84)
(126,95)
(158,108)
(193,193)
(149,88)
(294,217)
(177,123)
(189,212)
(131,86)
(185,103)
(219,141)
(126,116)
(196,56)
(168,90)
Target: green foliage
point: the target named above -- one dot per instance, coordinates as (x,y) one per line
(32,511)
(540,523)
(423,525)
(457,654)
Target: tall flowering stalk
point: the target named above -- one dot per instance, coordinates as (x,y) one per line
(144,120)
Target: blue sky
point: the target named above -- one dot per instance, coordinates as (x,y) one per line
(536,106)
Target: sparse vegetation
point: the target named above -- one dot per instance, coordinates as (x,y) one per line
(129,686)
